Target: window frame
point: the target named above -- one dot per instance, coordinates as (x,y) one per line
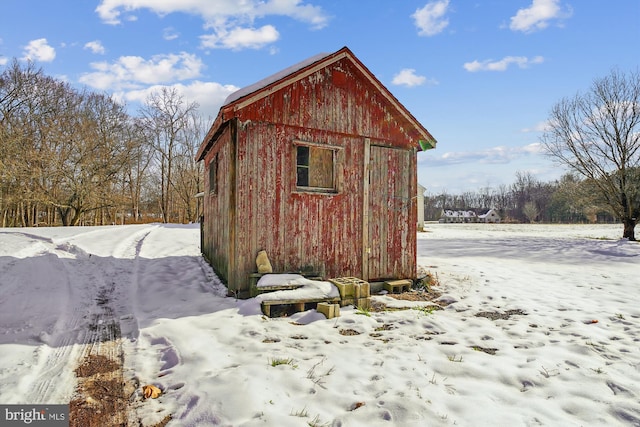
(336,159)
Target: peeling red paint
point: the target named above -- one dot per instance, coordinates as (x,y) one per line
(365,228)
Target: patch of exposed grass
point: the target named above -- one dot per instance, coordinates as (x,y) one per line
(277,361)
(318,378)
(427,310)
(301,413)
(485,349)
(549,373)
(316,422)
(364,311)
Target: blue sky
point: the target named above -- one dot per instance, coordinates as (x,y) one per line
(480,75)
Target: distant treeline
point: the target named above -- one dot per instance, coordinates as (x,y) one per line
(75,157)
(568,200)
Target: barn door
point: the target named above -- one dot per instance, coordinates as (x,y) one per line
(389,213)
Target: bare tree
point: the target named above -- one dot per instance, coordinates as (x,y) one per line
(91,155)
(62,151)
(597,134)
(567,201)
(502,200)
(135,174)
(29,118)
(530,211)
(486,198)
(165,118)
(522,191)
(187,180)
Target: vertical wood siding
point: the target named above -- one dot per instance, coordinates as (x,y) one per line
(318,232)
(299,230)
(217,226)
(391,206)
(335,99)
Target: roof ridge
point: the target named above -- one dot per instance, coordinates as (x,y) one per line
(254,87)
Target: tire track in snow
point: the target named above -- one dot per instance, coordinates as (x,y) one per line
(89,323)
(63,345)
(108,328)
(127,295)
(119,275)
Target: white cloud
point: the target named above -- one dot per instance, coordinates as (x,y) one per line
(208,95)
(293,9)
(3,59)
(537,16)
(231,21)
(170,33)
(110,11)
(241,38)
(408,77)
(503,64)
(95,47)
(493,155)
(39,50)
(133,79)
(132,71)
(534,148)
(538,127)
(430,19)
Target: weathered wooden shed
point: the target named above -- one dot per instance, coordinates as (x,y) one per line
(317,166)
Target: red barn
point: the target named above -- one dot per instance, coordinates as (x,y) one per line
(317,166)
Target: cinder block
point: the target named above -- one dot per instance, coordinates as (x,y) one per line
(329,310)
(347,301)
(363,303)
(349,286)
(346,289)
(398,285)
(361,290)
(326,309)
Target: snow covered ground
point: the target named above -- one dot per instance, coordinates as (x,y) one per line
(558,309)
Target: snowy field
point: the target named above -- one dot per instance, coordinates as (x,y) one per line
(557,342)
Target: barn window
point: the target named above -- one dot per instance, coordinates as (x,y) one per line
(213,175)
(315,168)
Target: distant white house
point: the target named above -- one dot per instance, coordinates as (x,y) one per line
(490,216)
(468,216)
(449,215)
